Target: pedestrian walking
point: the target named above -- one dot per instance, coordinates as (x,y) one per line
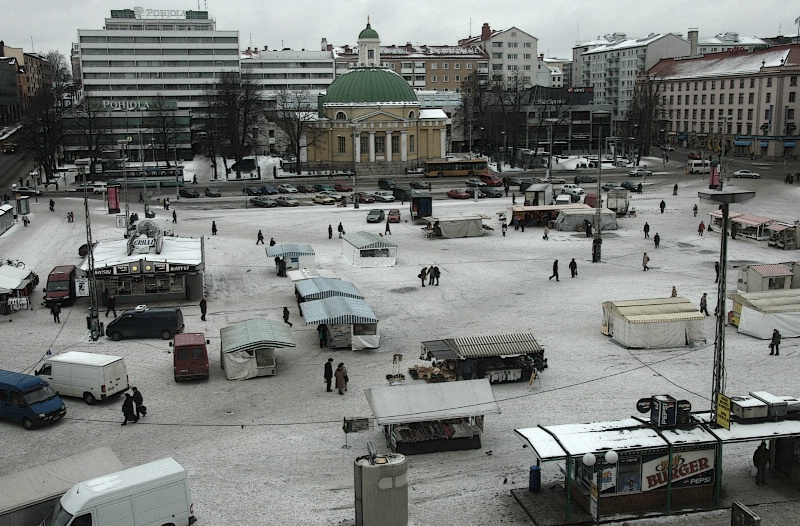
(388,230)
(716,269)
(213,228)
(513,198)
(194,179)
(423,274)
(645,261)
(259,238)
(546,233)
(515,222)
(55,310)
(646,230)
(694,209)
(431,276)
(323,339)
(573,268)
(504,228)
(166,203)
(138,400)
(775,343)
(436,275)
(701,228)
(555,270)
(203,308)
(141,197)
(330,231)
(662,206)
(174,216)
(52,206)
(328,374)
(111,305)
(656,239)
(26,221)
(506,190)
(674,292)
(704,304)
(675,189)
(340,228)
(341,378)
(128,411)
(286,317)
(272,242)
(761,461)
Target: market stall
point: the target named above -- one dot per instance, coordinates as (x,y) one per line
(293,255)
(427,418)
(572,220)
(318,288)
(784,235)
(247,348)
(7,219)
(653,323)
(454,227)
(16,286)
(770,276)
(498,358)
(308,273)
(758,313)
(364,249)
(742,225)
(349,322)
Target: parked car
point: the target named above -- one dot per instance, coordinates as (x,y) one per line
(420,185)
(28,190)
(613,186)
(251,190)
(455,193)
(343,187)
(84,186)
(363,197)
(394,215)
(580,179)
(475,182)
(306,188)
(491,191)
(188,192)
(386,184)
(263,202)
(287,188)
(322,187)
(333,195)
(268,189)
(667,148)
(640,172)
(324,199)
(212,192)
(695,156)
(285,200)
(375,216)
(630,185)
(746,173)
(572,189)
(384,196)
(472,192)
(550,180)
(512,181)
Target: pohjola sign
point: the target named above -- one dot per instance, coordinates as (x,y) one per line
(126,105)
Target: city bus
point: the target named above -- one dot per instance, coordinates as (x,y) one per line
(156,177)
(456,168)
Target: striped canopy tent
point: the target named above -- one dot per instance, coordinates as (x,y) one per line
(247,348)
(296,255)
(364,249)
(349,322)
(318,288)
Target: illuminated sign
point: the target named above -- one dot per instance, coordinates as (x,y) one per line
(126,105)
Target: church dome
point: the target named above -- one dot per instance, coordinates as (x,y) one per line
(368,32)
(369,85)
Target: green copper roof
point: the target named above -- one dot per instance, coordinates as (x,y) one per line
(368,32)
(360,85)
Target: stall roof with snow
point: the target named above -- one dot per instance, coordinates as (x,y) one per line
(174,250)
(337,310)
(425,402)
(653,323)
(457,226)
(501,345)
(13,278)
(761,312)
(290,250)
(569,219)
(365,249)
(246,348)
(318,288)
(308,273)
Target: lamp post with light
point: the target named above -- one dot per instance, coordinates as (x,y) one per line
(590,460)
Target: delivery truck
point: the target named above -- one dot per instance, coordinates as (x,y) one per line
(85,375)
(420,205)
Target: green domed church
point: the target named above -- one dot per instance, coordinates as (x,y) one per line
(374,108)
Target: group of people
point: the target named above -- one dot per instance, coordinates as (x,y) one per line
(340,374)
(431,274)
(260,239)
(133,407)
(70,217)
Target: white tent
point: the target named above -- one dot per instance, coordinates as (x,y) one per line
(570,219)
(653,323)
(459,226)
(364,249)
(760,312)
(247,348)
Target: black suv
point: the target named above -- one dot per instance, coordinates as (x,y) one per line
(188,192)
(386,184)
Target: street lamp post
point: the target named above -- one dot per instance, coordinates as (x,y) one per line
(502,153)
(550,123)
(355,161)
(597,241)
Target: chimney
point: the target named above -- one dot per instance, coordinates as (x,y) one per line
(324,45)
(486,33)
(266,48)
(693,41)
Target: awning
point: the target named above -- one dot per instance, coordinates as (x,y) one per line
(290,250)
(788,144)
(500,345)
(763,144)
(747,219)
(425,402)
(367,240)
(337,310)
(742,143)
(318,288)
(252,334)
(681,136)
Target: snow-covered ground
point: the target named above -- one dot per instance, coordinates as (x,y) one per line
(269,450)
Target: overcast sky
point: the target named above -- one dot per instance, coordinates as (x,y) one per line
(44,25)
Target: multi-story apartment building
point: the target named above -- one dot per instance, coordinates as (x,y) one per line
(36,73)
(10,108)
(738,102)
(143,55)
(509,51)
(725,42)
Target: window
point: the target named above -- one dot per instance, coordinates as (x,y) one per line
(433,78)
(711,114)
(446,78)
(364,145)
(752,83)
(341,116)
(457,78)
(730,98)
(694,115)
(445,66)
(713,85)
(769,97)
(380,144)
(741,98)
(749,129)
(685,114)
(498,56)
(497,67)
(696,85)
(457,65)
(679,100)
(766,114)
(512,56)
(342,145)
(411,143)
(527,44)
(704,85)
(469,65)
(769,82)
(739,113)
(750,114)
(750,97)
(497,44)
(741,83)
(790,114)
(434,65)
(792,96)
(793,81)
(731,84)
(703,99)
(702,113)
(672,99)
(395,143)
(712,98)
(694,99)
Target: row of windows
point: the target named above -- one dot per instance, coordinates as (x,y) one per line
(750,98)
(154,88)
(740,115)
(116,39)
(512,44)
(154,75)
(159,63)
(289,65)
(157,51)
(741,128)
(434,65)
(698,85)
(446,78)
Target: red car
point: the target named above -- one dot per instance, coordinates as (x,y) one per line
(695,156)
(363,197)
(306,189)
(343,187)
(394,215)
(457,194)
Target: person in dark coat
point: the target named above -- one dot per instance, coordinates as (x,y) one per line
(504,228)
(675,189)
(203,307)
(436,274)
(656,239)
(138,399)
(701,228)
(704,304)
(431,275)
(52,206)
(340,229)
(111,305)
(55,310)
(128,411)
(174,216)
(573,268)
(639,188)
(662,206)
(423,274)
(323,338)
(646,230)
(716,269)
(695,210)
(259,238)
(272,242)
(286,317)
(330,231)
(761,461)
(328,373)
(645,261)
(388,230)
(555,270)
(213,228)
(341,378)
(775,343)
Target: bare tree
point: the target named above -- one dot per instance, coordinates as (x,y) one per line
(92,124)
(43,130)
(295,114)
(479,108)
(62,79)
(550,108)
(511,95)
(163,121)
(644,111)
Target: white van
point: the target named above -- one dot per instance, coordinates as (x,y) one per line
(702,166)
(156,493)
(85,375)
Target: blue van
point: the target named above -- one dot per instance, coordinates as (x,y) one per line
(29,400)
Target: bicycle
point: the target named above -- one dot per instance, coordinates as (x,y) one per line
(13,263)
